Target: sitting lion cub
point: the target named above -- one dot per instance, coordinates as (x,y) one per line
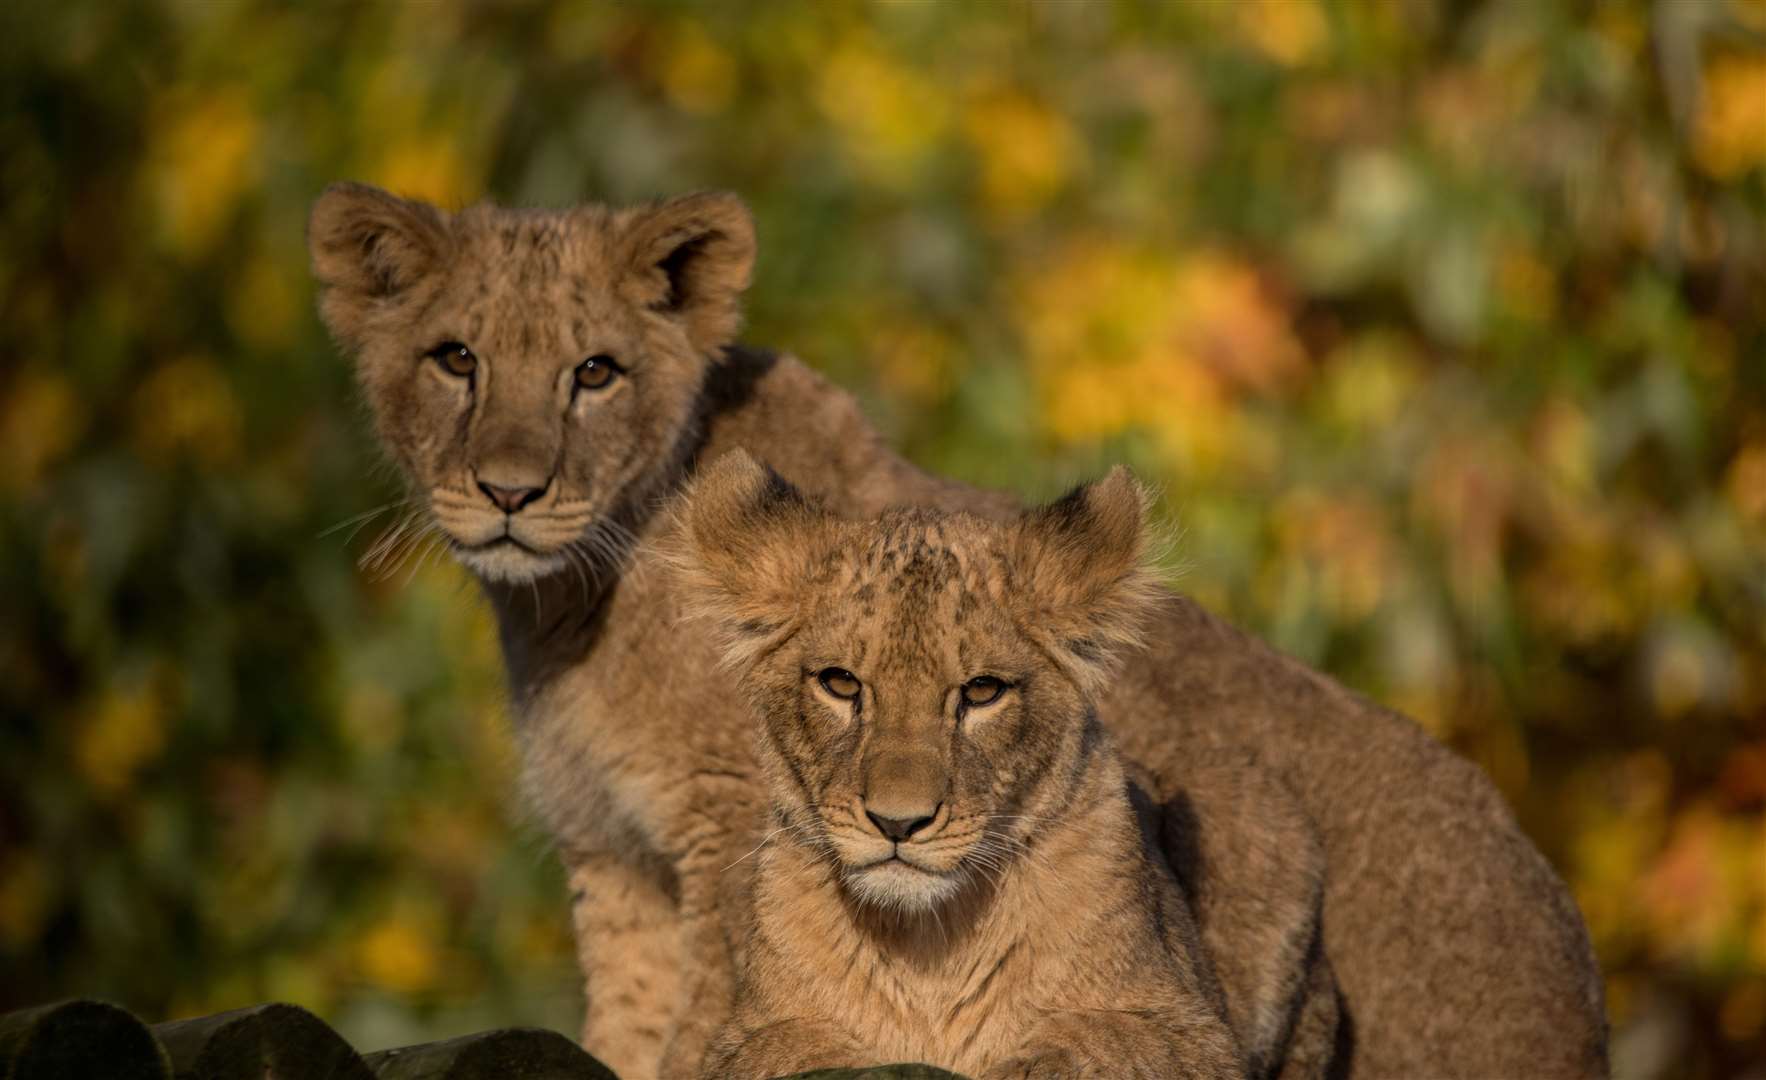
(956,875)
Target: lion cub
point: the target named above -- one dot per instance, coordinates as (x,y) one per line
(955,874)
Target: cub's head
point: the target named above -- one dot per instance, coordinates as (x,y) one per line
(533,372)
(925,680)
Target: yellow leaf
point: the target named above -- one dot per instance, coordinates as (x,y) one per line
(1563,443)
(1344,541)
(1730,134)
(187,407)
(888,116)
(1746,482)
(698,75)
(371,719)
(1027,151)
(1700,895)
(1370,382)
(395,955)
(40,420)
(1527,285)
(915,361)
(426,166)
(24,899)
(1223,316)
(1122,338)
(262,305)
(123,733)
(208,142)
(1290,32)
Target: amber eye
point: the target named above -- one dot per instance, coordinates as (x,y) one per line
(455,358)
(982,690)
(597,371)
(840,682)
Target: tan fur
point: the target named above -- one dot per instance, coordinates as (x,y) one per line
(1456,949)
(1252,865)
(1025,925)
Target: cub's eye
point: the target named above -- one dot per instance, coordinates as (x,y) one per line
(455,358)
(597,371)
(840,682)
(982,690)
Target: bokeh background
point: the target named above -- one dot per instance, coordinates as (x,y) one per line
(1443,326)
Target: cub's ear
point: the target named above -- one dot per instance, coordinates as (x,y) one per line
(1082,574)
(746,551)
(692,257)
(368,247)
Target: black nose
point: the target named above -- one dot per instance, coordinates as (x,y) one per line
(899,829)
(510,499)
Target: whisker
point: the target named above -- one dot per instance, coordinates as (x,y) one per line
(757,847)
(574,559)
(435,541)
(351,538)
(377,552)
(361,519)
(395,555)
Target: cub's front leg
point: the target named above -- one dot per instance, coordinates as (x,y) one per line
(705,996)
(779,1049)
(629,944)
(1122,1046)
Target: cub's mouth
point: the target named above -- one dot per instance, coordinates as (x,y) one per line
(898,860)
(525,537)
(506,540)
(900,883)
(505,558)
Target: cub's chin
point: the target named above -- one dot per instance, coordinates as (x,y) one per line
(894,885)
(508,562)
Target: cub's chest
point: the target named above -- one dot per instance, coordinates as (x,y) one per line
(636,739)
(962,1014)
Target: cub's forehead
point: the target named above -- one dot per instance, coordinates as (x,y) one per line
(533,248)
(916,596)
(512,229)
(921,552)
(535,284)
(919,574)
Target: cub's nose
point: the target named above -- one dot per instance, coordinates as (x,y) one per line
(900,828)
(511,499)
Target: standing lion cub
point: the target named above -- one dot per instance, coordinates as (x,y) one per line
(956,875)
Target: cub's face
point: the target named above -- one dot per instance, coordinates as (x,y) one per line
(534,373)
(924,680)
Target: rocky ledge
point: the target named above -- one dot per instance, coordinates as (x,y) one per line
(88,1040)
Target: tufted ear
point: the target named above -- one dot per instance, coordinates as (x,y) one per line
(747,551)
(1081,574)
(369,247)
(691,257)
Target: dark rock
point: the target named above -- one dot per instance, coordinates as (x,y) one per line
(278,1042)
(515,1053)
(79,1040)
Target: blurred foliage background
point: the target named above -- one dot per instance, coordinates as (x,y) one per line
(1442,324)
